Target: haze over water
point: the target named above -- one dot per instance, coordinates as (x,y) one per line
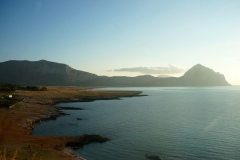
(173,123)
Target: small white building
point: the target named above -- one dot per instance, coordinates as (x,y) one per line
(10,96)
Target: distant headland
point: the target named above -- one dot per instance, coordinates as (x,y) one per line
(56,74)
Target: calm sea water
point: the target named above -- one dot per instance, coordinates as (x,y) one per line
(173,123)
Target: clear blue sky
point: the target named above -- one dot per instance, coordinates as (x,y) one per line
(103,36)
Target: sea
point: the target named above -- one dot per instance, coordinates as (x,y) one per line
(174,123)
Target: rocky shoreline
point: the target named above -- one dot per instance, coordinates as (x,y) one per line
(72,143)
(52,114)
(41,106)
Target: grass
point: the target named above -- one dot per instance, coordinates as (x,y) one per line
(7,102)
(8,155)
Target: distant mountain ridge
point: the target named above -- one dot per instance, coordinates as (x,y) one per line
(41,73)
(56,74)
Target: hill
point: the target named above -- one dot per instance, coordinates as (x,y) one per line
(200,75)
(41,73)
(50,73)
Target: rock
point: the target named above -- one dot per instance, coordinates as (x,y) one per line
(71,108)
(153,157)
(85,139)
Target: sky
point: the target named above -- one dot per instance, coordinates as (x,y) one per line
(124,37)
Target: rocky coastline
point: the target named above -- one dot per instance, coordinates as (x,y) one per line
(41,106)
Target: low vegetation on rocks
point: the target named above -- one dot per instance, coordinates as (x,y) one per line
(6,101)
(7,93)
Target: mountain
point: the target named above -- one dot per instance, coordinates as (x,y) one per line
(199,75)
(50,73)
(41,73)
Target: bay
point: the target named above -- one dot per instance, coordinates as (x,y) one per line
(174,123)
